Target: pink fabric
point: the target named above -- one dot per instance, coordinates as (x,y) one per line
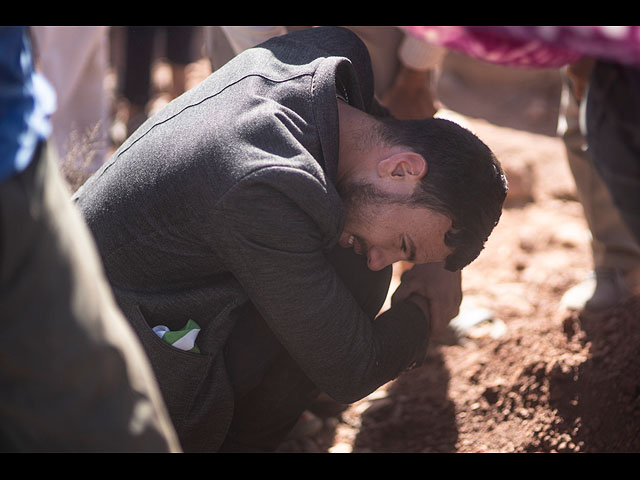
(536,46)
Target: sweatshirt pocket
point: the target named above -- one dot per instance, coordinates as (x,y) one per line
(179,373)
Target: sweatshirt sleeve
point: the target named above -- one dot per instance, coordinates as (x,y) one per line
(274,247)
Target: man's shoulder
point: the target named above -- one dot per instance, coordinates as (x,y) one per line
(320,42)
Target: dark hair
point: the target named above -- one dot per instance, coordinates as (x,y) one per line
(464,181)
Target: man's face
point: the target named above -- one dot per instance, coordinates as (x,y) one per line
(389,231)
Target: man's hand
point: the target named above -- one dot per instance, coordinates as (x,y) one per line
(441,288)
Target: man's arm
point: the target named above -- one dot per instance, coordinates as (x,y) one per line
(276,251)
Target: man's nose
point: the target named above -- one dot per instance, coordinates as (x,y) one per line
(377,259)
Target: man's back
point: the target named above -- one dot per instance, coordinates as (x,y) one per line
(226,196)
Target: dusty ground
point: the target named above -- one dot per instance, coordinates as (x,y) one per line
(536,378)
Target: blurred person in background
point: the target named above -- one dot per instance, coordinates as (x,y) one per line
(616,253)
(75,60)
(73,376)
(143,45)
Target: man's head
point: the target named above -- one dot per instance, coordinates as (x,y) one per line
(433,193)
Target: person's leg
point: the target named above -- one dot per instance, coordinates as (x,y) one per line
(271,390)
(612,130)
(73,375)
(136,75)
(615,250)
(179,52)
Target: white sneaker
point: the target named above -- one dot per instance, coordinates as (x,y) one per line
(603,289)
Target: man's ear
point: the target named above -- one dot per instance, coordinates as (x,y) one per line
(403,166)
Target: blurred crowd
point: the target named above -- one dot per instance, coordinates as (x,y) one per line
(104,86)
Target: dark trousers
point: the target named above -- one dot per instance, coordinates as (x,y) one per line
(270,390)
(140,44)
(613,135)
(73,377)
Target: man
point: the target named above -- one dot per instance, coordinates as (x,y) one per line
(73,375)
(267,210)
